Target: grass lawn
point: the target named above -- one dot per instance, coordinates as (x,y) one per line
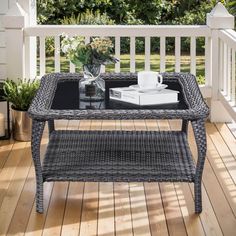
(155,64)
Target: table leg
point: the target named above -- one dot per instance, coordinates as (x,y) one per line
(200,137)
(185,126)
(37,132)
(51,126)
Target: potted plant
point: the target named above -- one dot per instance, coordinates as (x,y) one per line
(20,94)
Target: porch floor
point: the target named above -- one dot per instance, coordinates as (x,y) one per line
(120,208)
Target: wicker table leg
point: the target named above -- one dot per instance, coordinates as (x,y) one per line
(37,131)
(51,126)
(200,137)
(185,126)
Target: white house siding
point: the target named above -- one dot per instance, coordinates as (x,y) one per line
(4,7)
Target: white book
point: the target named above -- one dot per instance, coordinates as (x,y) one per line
(151,97)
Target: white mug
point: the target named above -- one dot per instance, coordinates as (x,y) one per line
(149,79)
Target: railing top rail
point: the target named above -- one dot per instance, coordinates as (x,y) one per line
(229,37)
(119,30)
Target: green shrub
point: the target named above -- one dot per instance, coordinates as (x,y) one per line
(201,79)
(133,12)
(88,18)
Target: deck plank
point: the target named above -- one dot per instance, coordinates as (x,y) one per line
(139,213)
(151,124)
(73,209)
(106,212)
(89,210)
(227,135)
(55,214)
(123,221)
(5,150)
(155,209)
(10,166)
(222,174)
(175,222)
(223,150)
(72,216)
(11,196)
(24,206)
(191,220)
(108,125)
(172,209)
(208,217)
(138,205)
(220,204)
(186,199)
(36,221)
(56,209)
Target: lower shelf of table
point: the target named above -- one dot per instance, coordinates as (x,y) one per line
(118,156)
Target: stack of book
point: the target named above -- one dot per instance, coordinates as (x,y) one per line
(139,97)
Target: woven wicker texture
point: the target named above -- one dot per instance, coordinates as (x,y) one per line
(118,156)
(41,105)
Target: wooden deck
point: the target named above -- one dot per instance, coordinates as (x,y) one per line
(120,208)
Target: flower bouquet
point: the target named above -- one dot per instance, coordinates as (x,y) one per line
(90,57)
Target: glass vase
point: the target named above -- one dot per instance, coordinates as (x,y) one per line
(92,88)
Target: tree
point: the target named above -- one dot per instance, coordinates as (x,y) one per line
(53,11)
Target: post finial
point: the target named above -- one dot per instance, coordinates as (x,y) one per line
(220,18)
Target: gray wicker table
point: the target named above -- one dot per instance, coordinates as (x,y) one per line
(74,155)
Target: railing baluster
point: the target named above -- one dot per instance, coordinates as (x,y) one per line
(208,62)
(233,77)
(221,61)
(132,54)
(42,55)
(147,53)
(229,73)
(103,67)
(163,54)
(177,54)
(72,67)
(27,57)
(57,54)
(87,39)
(193,55)
(225,69)
(117,54)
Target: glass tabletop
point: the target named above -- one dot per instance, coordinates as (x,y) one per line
(67,97)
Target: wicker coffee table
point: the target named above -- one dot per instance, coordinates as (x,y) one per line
(74,155)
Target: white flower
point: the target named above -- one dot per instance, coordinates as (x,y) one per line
(64,35)
(65,48)
(74,45)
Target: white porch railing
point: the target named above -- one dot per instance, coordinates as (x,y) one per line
(220,47)
(126,31)
(227,79)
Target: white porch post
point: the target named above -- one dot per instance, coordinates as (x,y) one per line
(219,18)
(20,51)
(14,22)
(29,7)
